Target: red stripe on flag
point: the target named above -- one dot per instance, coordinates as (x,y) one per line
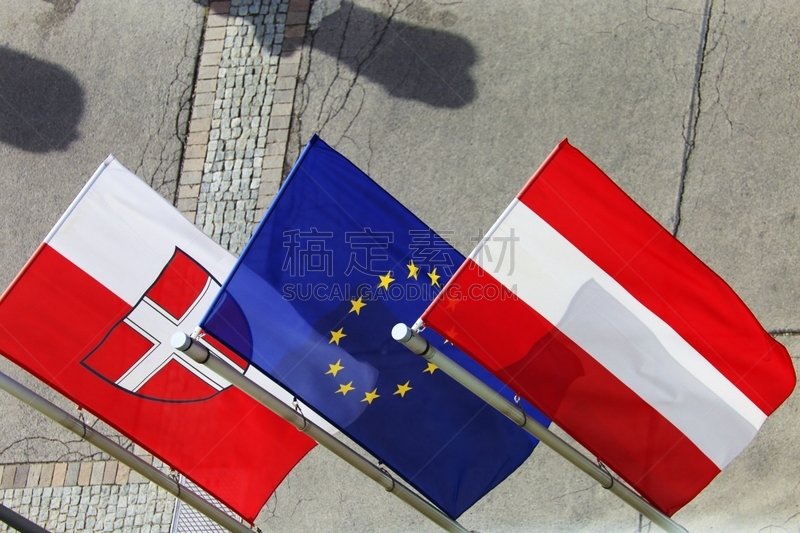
(546,368)
(580,202)
(47,292)
(55,314)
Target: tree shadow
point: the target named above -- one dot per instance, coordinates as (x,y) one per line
(41,103)
(410,62)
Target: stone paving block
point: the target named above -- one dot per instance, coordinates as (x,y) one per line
(84,474)
(201,124)
(71,478)
(135,478)
(21,476)
(7,480)
(206,86)
(282,109)
(299,5)
(296,17)
(220,6)
(198,137)
(188,191)
(286,82)
(277,136)
(34,473)
(295,31)
(283,96)
(211,59)
(122,474)
(291,52)
(272,175)
(207,72)
(217,20)
(213,35)
(110,473)
(46,476)
(196,151)
(202,111)
(187,204)
(97,473)
(59,474)
(215,46)
(288,69)
(191,178)
(193,165)
(274,161)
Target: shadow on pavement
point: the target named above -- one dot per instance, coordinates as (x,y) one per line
(410,62)
(41,104)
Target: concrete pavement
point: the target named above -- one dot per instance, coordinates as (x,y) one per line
(689,106)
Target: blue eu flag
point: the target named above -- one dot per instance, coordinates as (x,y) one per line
(334,265)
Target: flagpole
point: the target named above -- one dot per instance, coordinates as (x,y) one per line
(18,522)
(124,456)
(418,345)
(201,355)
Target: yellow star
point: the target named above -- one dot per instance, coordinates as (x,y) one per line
(412,270)
(345,388)
(431,368)
(403,389)
(434,278)
(385,281)
(335,368)
(369,396)
(357,305)
(336,336)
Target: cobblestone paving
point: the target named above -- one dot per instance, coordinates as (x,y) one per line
(138,507)
(85,497)
(240,120)
(238,136)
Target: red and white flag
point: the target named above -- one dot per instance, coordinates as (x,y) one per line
(590,310)
(92,314)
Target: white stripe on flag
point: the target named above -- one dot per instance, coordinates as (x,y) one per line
(116,203)
(557,280)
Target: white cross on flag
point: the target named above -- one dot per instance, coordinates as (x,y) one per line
(133,355)
(92,314)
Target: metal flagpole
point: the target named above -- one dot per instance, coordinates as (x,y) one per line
(200,354)
(124,456)
(418,345)
(19,522)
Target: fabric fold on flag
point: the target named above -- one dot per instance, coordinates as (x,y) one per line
(92,314)
(615,330)
(334,265)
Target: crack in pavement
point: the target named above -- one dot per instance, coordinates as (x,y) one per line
(784,332)
(370,45)
(690,132)
(167,155)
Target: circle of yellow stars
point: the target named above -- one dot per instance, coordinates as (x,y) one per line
(355,307)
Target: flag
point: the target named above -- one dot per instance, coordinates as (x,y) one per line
(334,265)
(92,313)
(589,309)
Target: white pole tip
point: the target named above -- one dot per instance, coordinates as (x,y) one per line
(401,333)
(181,341)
